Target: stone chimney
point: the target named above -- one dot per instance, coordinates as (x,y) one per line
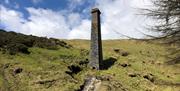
(96,43)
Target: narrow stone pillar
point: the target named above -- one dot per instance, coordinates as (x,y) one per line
(96,43)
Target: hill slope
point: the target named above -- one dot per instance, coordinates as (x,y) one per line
(130,65)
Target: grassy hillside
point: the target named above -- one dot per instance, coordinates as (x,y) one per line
(131,65)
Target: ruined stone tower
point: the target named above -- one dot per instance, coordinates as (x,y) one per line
(96,44)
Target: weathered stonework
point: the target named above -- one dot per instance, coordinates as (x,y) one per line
(96,44)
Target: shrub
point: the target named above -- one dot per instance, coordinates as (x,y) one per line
(17,42)
(14,48)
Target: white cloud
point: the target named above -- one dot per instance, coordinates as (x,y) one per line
(121,16)
(11,19)
(141,3)
(47,22)
(82,31)
(41,22)
(73,19)
(117,16)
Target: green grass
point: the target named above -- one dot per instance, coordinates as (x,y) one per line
(1,81)
(50,66)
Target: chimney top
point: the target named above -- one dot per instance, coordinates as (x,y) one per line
(94,10)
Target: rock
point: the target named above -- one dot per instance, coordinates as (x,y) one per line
(84,62)
(105,78)
(133,74)
(121,52)
(91,84)
(124,54)
(149,77)
(116,50)
(17,70)
(125,64)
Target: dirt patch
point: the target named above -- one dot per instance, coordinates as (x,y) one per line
(149,77)
(17,70)
(73,69)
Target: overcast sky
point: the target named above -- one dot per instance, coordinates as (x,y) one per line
(71,19)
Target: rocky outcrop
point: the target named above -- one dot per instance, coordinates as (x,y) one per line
(91,84)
